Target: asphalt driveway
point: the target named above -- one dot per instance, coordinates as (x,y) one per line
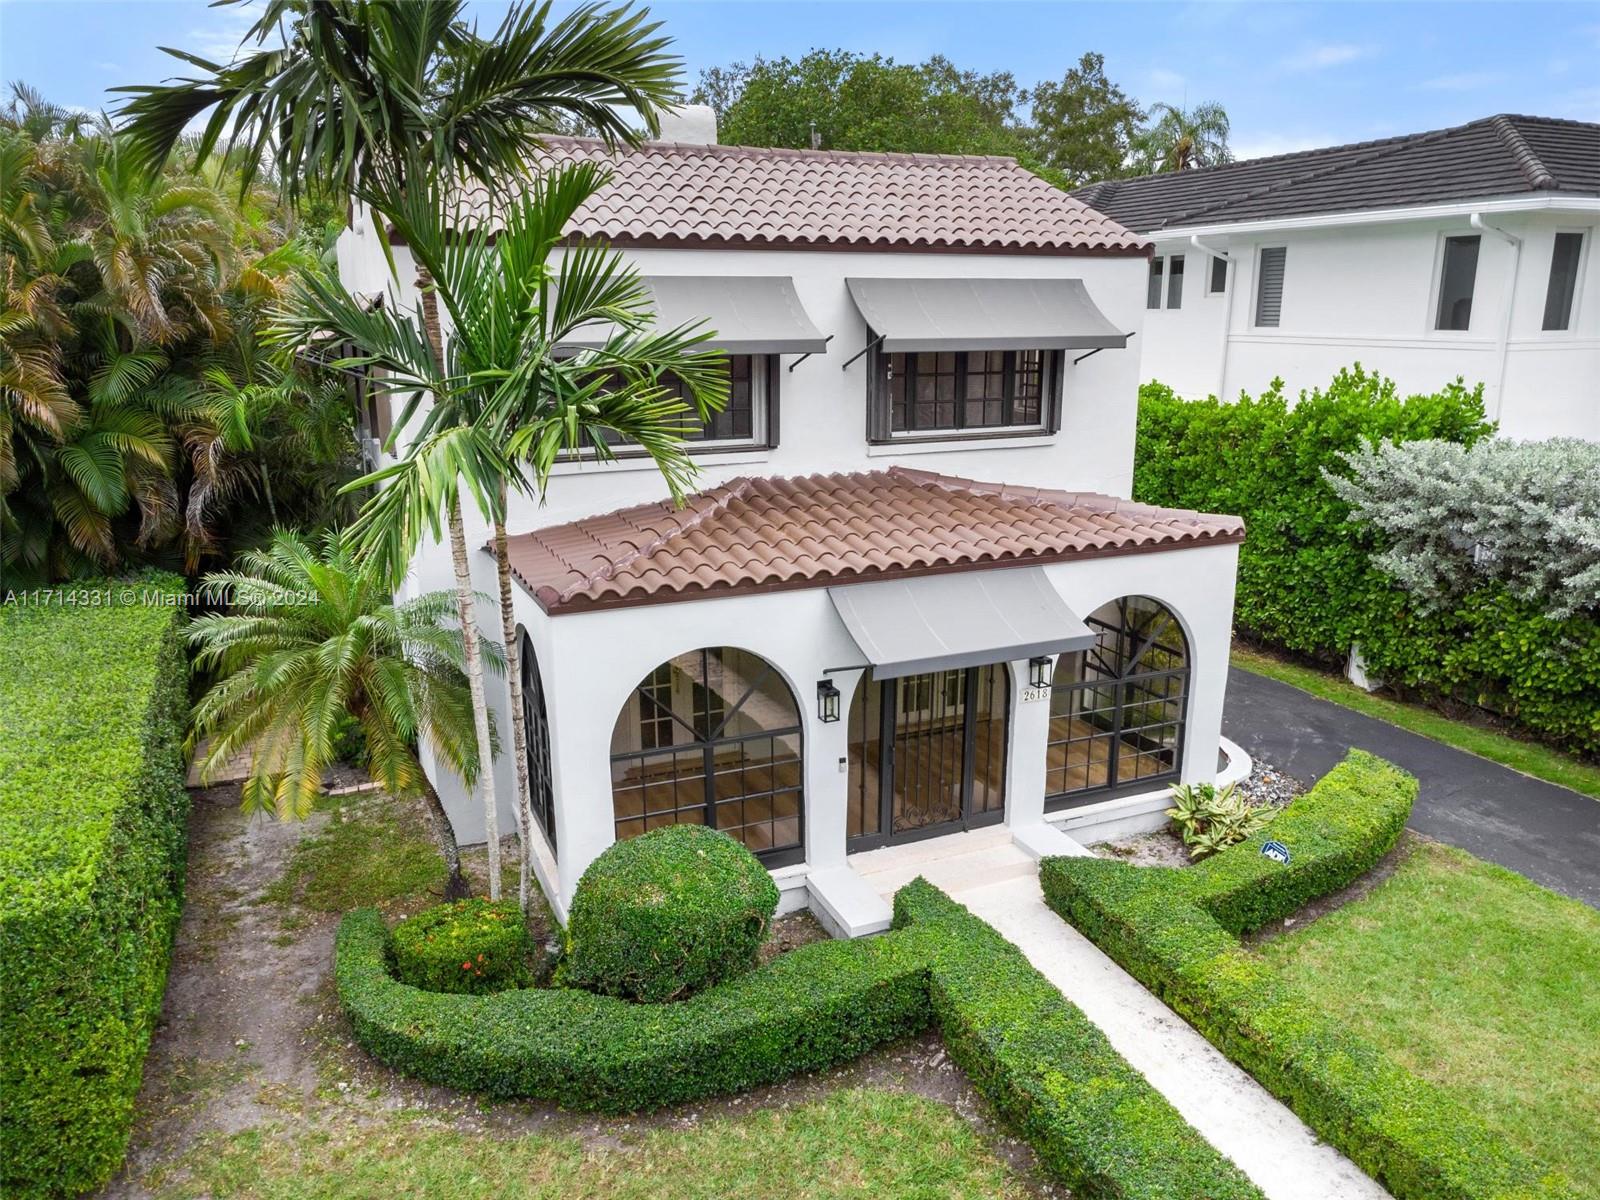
(1546,832)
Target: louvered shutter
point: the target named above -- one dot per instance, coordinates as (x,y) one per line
(1269,285)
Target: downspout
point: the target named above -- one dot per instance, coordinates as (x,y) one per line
(1503,346)
(1227,312)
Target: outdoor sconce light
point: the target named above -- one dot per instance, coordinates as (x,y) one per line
(827,700)
(1039,671)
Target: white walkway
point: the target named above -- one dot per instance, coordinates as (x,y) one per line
(986,872)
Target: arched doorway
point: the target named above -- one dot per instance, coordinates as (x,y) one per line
(927,754)
(1117,709)
(712,737)
(536,719)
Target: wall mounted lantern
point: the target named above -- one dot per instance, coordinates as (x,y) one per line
(1039,671)
(827,700)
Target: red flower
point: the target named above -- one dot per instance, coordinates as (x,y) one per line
(466,966)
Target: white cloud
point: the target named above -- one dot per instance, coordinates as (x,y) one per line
(1329,54)
(1267,144)
(218,39)
(1462,81)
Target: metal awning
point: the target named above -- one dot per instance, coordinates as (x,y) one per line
(961,619)
(913,315)
(750,314)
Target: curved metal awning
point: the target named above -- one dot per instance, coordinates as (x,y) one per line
(963,619)
(915,315)
(750,314)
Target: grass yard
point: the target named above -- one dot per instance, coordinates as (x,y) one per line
(859,1142)
(1530,758)
(1475,978)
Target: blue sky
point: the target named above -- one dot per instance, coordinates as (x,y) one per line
(1291,75)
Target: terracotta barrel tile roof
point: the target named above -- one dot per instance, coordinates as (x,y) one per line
(758,534)
(726,196)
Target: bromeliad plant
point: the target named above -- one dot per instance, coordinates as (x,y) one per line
(311,636)
(1209,819)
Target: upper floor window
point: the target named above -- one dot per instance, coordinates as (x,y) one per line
(748,419)
(966,393)
(1219,276)
(1269,285)
(1458,275)
(1563,286)
(1166,282)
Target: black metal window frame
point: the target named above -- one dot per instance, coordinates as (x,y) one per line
(881,428)
(705,741)
(755,412)
(1120,676)
(536,719)
(888,703)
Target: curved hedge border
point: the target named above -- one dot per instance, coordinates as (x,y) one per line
(1095,1122)
(93,698)
(1176,931)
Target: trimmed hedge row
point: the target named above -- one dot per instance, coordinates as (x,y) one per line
(93,699)
(1307,582)
(1175,930)
(1095,1122)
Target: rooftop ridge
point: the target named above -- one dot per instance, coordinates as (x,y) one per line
(735,149)
(1539,176)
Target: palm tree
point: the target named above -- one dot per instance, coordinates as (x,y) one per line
(374,98)
(312,636)
(1178,139)
(501,397)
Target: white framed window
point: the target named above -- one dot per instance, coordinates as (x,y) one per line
(1165,285)
(1458,280)
(1270,264)
(1561,292)
(749,419)
(964,394)
(1216,275)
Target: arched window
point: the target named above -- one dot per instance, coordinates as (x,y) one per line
(712,737)
(540,794)
(1117,709)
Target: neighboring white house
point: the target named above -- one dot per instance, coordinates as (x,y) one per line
(908,531)
(1466,251)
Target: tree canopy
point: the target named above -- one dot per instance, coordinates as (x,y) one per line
(1071,131)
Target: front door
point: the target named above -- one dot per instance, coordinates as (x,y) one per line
(927,754)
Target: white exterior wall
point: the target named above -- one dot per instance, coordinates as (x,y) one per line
(591,662)
(1367,292)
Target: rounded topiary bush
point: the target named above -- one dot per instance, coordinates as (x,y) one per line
(472,946)
(659,917)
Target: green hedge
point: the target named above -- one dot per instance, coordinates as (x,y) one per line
(93,698)
(1095,1122)
(1175,930)
(1306,582)
(470,947)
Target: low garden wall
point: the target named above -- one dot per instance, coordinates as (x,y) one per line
(1307,580)
(1177,931)
(93,698)
(1096,1124)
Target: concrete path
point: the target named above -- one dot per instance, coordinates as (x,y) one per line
(986,872)
(1548,833)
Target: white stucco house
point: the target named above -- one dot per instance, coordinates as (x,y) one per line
(1465,251)
(908,599)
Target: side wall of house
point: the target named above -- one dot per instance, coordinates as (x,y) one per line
(1369,293)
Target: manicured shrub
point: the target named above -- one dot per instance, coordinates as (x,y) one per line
(93,699)
(470,946)
(661,916)
(1311,573)
(1175,931)
(1095,1122)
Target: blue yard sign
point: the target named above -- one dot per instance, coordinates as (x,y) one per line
(1276,851)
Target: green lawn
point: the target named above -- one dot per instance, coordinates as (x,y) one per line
(1477,979)
(854,1143)
(1530,758)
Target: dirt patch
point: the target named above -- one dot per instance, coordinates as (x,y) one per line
(790,932)
(1323,905)
(1163,848)
(251,1034)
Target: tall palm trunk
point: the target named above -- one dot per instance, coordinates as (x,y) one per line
(519,723)
(466,613)
(466,610)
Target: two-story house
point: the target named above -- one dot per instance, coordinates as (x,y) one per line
(1461,252)
(908,599)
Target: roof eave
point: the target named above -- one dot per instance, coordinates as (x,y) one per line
(1549,201)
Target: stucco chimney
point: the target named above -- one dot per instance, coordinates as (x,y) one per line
(693,124)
